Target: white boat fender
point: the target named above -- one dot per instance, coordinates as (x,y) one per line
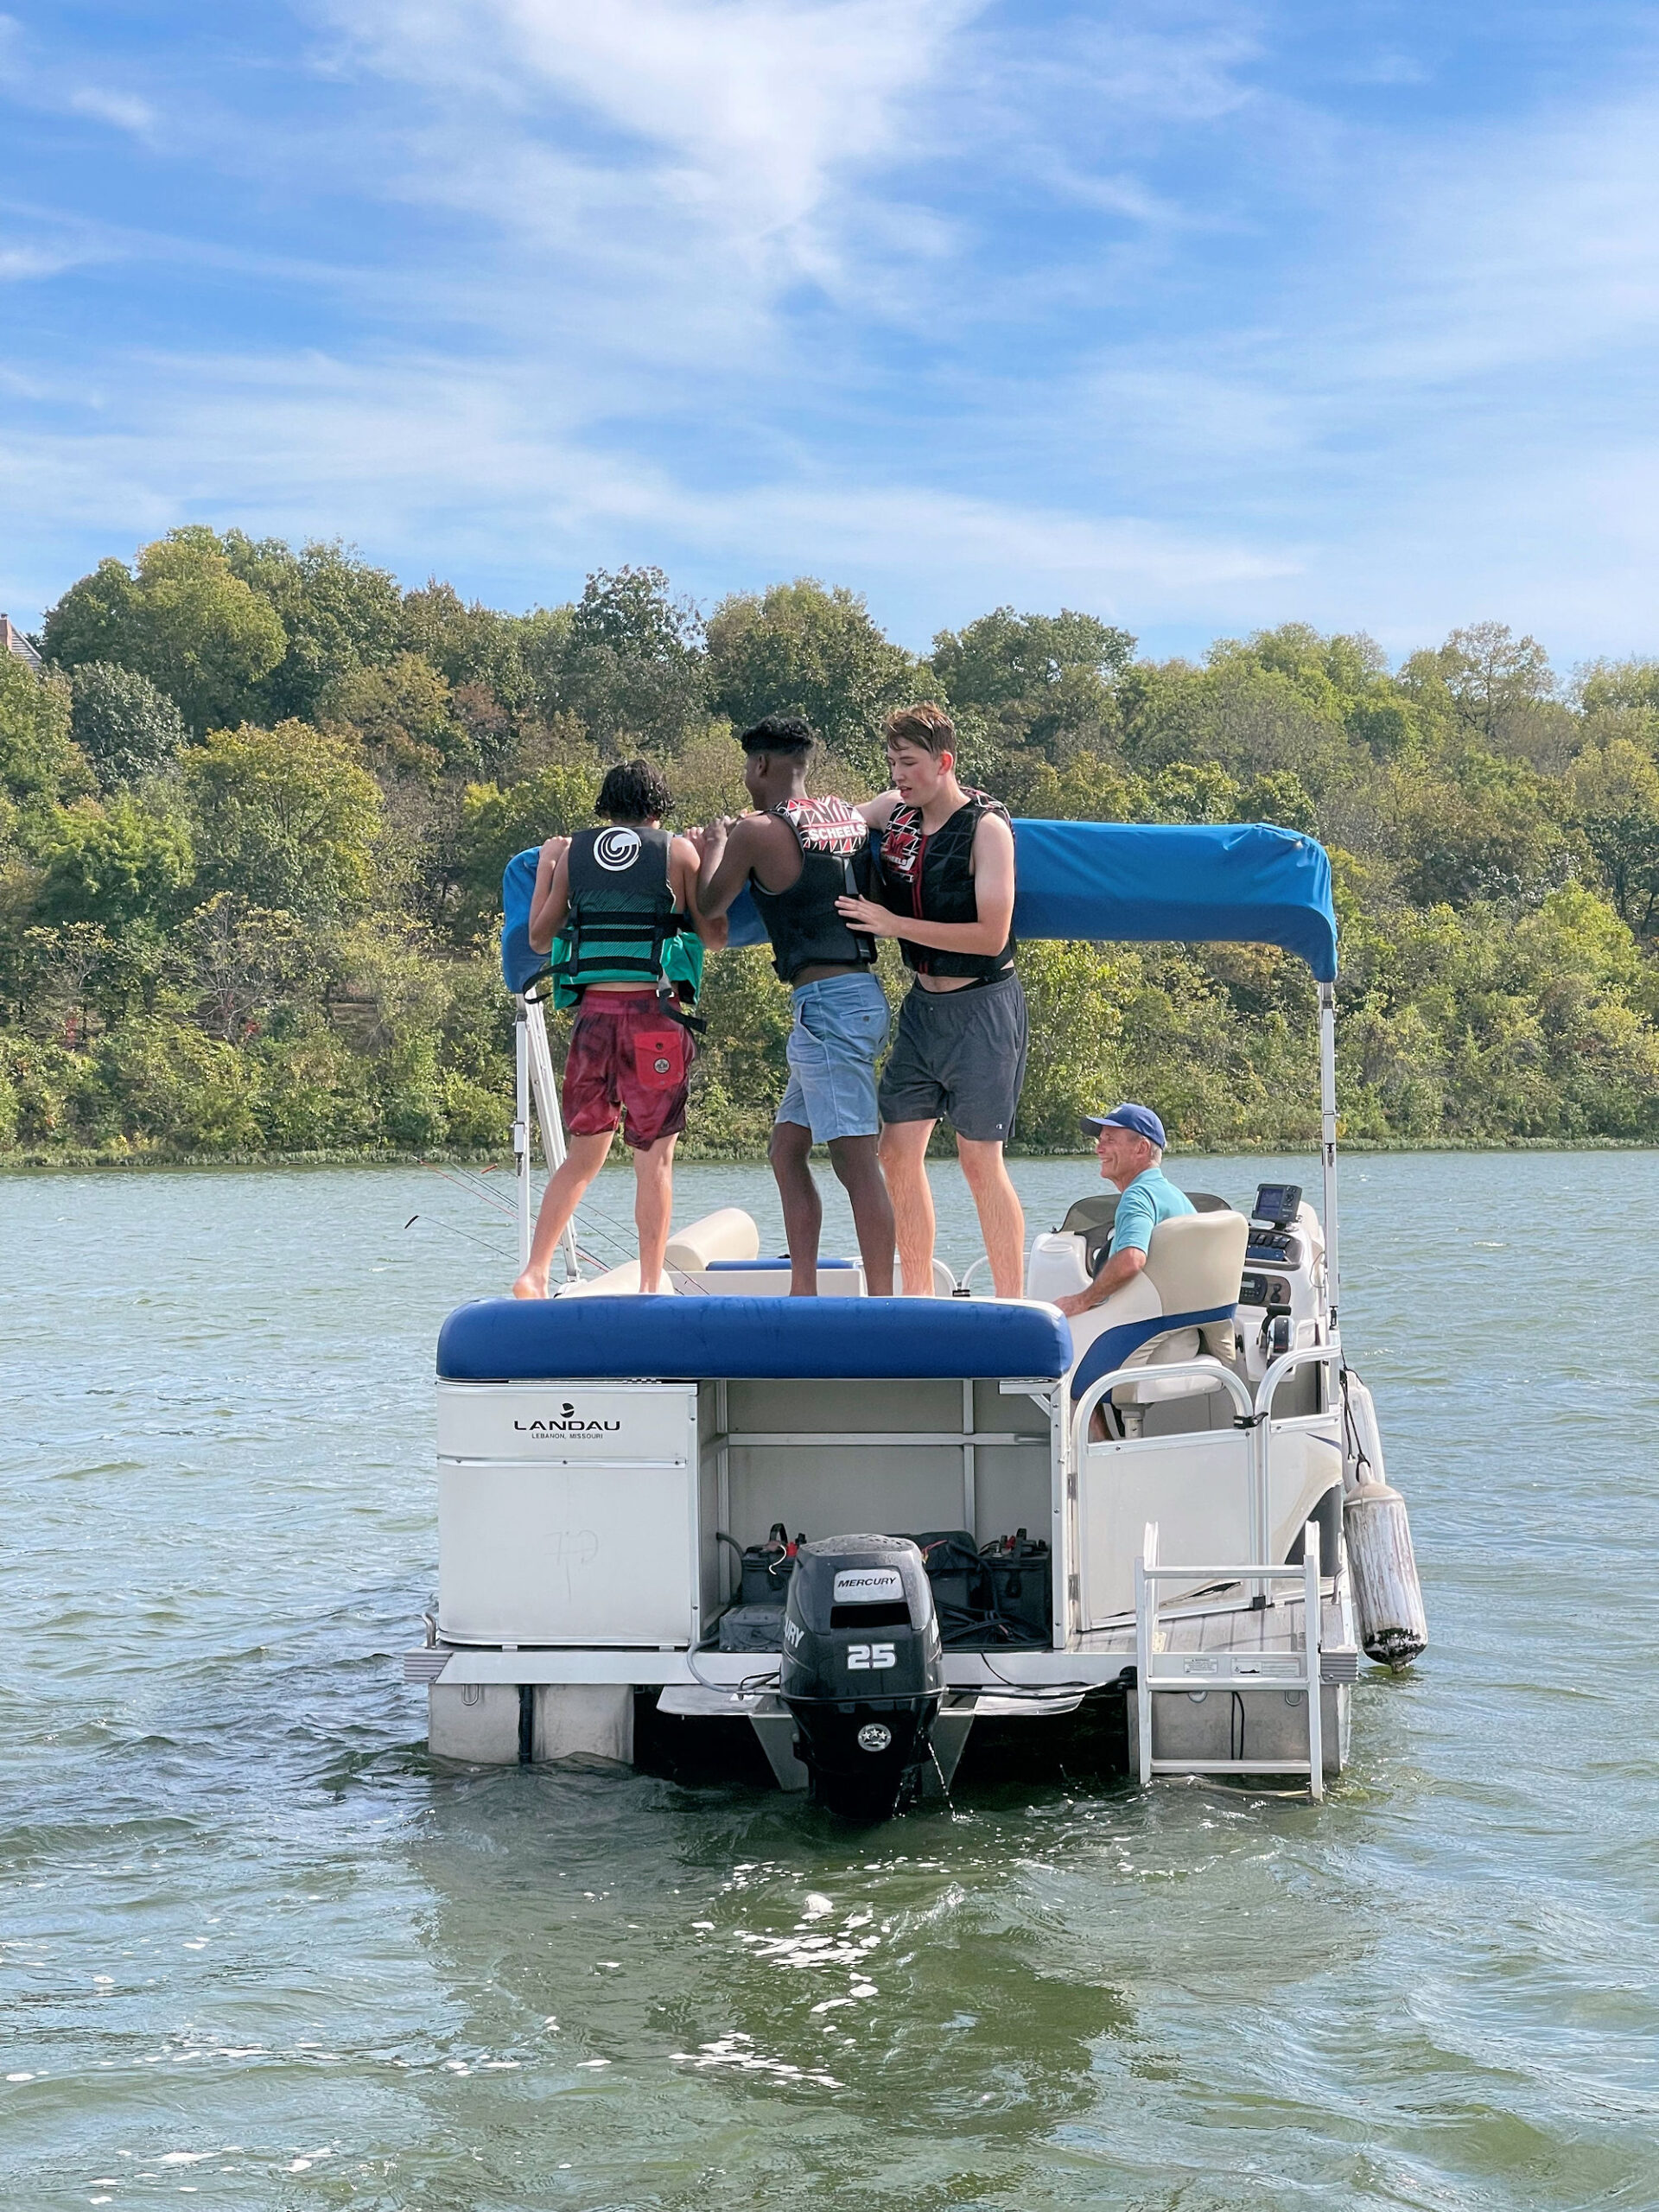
(1388,1596)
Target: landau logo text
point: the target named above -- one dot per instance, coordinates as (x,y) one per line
(570,1423)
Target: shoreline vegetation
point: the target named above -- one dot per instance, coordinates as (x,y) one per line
(254,803)
(86,1161)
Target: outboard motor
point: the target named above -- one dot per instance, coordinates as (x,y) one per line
(863,1672)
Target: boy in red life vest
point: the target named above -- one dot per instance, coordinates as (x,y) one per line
(798,855)
(619,895)
(946,856)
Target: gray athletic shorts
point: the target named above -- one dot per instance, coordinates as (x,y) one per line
(959,1057)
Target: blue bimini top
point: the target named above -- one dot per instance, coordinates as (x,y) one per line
(1139,883)
(734,1339)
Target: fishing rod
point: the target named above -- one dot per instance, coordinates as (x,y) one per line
(473,1187)
(432,1222)
(599,1226)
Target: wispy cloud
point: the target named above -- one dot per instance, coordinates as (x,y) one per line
(122,110)
(958,300)
(424,453)
(18,262)
(32,77)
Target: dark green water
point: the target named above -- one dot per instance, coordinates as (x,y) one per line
(258,1950)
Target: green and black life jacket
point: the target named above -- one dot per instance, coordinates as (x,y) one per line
(623,926)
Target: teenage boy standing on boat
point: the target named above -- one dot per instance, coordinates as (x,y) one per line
(625,900)
(946,855)
(798,855)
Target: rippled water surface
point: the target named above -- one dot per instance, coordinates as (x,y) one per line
(258,1949)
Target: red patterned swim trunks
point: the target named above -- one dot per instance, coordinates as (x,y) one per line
(627,1061)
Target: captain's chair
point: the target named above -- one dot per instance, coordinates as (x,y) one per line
(1180,1306)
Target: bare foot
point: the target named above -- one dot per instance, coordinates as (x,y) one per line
(532,1284)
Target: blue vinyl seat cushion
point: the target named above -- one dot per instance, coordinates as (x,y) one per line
(560,1339)
(1115,1347)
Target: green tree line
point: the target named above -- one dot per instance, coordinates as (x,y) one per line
(255,806)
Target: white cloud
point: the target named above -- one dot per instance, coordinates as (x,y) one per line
(1519,246)
(947,303)
(122,109)
(20,262)
(453,464)
(720,129)
(32,82)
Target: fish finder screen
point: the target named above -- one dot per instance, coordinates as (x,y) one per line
(1277,1203)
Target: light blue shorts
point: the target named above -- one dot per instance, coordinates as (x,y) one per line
(840,1026)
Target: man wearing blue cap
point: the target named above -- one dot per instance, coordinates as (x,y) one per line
(1129,1145)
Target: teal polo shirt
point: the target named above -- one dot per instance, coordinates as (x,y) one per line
(1151,1197)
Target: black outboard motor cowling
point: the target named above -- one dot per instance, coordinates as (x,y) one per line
(863,1672)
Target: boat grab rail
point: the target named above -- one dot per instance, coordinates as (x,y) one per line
(1253,1414)
(1209,1370)
(1304,1356)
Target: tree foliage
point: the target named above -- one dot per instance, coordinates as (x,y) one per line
(254,813)
(185,620)
(127,728)
(337,614)
(39,762)
(799,648)
(289,817)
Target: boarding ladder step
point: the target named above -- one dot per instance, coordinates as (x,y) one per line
(1157,1670)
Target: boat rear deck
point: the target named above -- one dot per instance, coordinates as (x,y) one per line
(1273,1631)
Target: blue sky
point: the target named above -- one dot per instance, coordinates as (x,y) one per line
(1198,317)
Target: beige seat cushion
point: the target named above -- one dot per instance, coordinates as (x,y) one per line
(1193,1262)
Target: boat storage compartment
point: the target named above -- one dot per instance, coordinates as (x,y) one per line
(567,1513)
(581,1509)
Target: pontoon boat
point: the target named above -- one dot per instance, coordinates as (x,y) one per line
(862,1528)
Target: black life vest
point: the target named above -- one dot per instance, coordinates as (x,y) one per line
(805,930)
(622,909)
(930,877)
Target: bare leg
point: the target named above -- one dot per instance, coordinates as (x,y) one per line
(855,1162)
(790,1153)
(583,1158)
(1001,1219)
(654,1206)
(903,1160)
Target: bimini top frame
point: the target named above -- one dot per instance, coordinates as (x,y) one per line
(1188,883)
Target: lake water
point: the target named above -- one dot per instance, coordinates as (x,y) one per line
(259,1950)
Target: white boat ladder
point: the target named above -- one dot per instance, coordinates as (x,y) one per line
(1157,1669)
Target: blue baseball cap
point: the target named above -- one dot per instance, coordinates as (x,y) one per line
(1141,1121)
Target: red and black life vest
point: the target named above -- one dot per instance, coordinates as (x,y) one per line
(930,877)
(805,930)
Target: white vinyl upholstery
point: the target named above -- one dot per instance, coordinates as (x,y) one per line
(728,1234)
(1193,1262)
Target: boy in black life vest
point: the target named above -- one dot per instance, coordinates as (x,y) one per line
(798,855)
(946,857)
(625,900)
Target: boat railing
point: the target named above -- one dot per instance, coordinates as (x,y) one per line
(1207,1370)
(1255,1415)
(1328,1355)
